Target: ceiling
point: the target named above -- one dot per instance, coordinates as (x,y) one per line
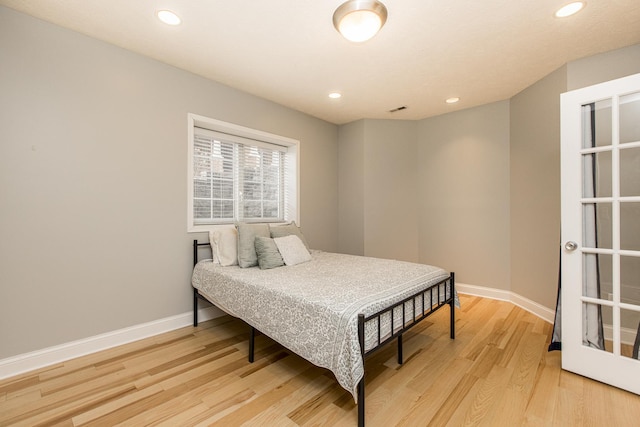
(288,51)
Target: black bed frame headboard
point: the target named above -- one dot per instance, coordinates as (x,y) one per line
(196,294)
(195,250)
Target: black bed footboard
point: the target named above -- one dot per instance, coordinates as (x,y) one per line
(420,305)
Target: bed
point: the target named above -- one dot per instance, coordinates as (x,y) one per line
(333,310)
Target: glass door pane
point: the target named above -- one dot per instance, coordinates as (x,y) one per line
(629,114)
(597,166)
(630,171)
(630,226)
(597,124)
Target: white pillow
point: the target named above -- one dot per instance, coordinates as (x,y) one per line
(292,250)
(224,244)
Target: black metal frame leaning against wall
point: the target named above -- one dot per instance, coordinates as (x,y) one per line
(420,312)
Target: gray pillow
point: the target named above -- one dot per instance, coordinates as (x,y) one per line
(268,254)
(247,233)
(287,230)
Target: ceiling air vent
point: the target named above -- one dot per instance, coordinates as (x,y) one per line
(404,107)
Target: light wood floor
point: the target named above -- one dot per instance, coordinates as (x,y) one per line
(497,372)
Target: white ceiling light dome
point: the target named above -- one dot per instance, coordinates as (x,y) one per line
(359,20)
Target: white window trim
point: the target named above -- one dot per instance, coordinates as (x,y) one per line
(293,150)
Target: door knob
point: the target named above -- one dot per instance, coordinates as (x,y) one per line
(571,246)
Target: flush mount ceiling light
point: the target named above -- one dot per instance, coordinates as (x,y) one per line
(359,20)
(335,95)
(452,100)
(168,17)
(570,9)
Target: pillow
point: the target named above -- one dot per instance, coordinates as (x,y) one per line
(268,254)
(224,244)
(292,250)
(287,230)
(247,233)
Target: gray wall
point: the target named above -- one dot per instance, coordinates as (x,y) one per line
(464,194)
(378,185)
(535,189)
(351,188)
(434,191)
(603,67)
(391,183)
(93,163)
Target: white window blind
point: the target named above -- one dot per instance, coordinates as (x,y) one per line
(235,178)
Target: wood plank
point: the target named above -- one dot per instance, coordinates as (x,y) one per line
(486,400)
(63,409)
(435,394)
(10,387)
(183,417)
(90,415)
(496,373)
(262,402)
(544,395)
(454,399)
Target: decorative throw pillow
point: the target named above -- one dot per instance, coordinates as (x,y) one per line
(247,233)
(268,254)
(292,250)
(224,244)
(287,230)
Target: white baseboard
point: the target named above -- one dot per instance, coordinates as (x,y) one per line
(49,356)
(19,364)
(627,335)
(545,313)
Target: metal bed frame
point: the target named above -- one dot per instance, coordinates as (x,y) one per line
(435,290)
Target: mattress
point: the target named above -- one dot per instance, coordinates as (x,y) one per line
(312,308)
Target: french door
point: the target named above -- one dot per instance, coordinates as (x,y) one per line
(600,158)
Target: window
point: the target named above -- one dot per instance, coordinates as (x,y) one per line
(239,174)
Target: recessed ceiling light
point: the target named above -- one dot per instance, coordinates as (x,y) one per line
(335,95)
(452,100)
(569,9)
(168,17)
